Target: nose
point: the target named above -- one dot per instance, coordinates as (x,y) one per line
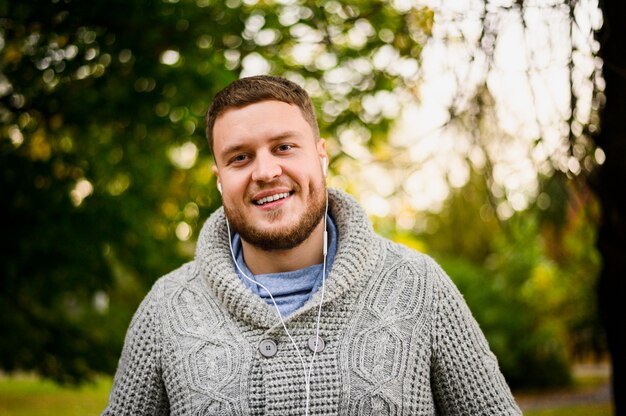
(266,169)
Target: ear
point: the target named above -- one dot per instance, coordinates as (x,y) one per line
(321,148)
(216,172)
(321,151)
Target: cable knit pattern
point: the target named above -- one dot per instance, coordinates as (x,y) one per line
(399,338)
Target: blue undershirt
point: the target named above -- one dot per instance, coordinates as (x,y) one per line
(291,289)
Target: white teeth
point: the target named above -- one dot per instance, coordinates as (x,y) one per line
(272,198)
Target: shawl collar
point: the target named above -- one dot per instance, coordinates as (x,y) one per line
(357,252)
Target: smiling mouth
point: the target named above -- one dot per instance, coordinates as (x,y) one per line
(271,198)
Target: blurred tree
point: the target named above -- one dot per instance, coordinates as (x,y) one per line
(592,146)
(568,132)
(103,184)
(530,291)
(503,131)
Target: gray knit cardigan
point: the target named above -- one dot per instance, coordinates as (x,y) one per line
(399,338)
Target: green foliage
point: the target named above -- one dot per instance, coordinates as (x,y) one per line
(516,298)
(531,290)
(105,176)
(531,352)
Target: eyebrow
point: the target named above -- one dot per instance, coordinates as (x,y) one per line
(237,147)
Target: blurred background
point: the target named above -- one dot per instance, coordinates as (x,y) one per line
(487,134)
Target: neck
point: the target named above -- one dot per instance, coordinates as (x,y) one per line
(308,253)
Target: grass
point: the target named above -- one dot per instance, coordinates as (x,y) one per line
(31,396)
(583,384)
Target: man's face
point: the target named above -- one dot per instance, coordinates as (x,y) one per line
(268,164)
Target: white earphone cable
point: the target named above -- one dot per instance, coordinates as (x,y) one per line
(319,311)
(307,374)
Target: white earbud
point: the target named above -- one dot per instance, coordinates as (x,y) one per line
(324,162)
(219,187)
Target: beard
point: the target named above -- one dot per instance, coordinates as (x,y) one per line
(288,237)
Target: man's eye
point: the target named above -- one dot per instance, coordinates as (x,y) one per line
(239,158)
(284,147)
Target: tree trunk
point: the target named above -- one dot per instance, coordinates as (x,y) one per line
(609,183)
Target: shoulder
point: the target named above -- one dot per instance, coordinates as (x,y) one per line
(166,286)
(405,276)
(421,264)
(182,276)
(414,265)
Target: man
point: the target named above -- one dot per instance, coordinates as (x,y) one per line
(293,306)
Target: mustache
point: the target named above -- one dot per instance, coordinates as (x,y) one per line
(256,187)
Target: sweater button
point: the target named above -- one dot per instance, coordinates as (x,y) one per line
(268,348)
(320,344)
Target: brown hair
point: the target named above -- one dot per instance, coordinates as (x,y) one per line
(250,90)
